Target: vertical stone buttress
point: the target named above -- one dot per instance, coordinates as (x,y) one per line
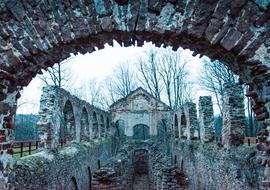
(191,119)
(206,119)
(233,131)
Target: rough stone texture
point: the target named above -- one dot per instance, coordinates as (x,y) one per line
(63,116)
(36,34)
(233,131)
(206,119)
(209,166)
(139,107)
(191,118)
(47,170)
(105,179)
(173,178)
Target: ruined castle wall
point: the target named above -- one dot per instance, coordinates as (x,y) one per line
(52,116)
(55,170)
(209,166)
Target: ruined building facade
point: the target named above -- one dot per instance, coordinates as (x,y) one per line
(139,144)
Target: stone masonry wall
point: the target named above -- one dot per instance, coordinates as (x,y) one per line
(54,170)
(209,166)
(52,116)
(206,119)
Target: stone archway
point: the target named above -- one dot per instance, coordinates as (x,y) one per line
(36,34)
(84,126)
(183,125)
(69,127)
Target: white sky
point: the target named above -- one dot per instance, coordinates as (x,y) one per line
(99,65)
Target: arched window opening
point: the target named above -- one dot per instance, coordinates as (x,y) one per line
(176,126)
(102,126)
(98,164)
(84,126)
(183,126)
(68,129)
(141,132)
(95,126)
(107,126)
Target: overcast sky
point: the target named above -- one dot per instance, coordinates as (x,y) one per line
(99,65)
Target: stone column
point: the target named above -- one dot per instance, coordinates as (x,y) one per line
(206,119)
(233,131)
(49,122)
(191,119)
(8,106)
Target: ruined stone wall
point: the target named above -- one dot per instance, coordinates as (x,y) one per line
(52,118)
(209,166)
(54,170)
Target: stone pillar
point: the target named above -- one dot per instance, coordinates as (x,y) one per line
(233,131)
(206,119)
(8,106)
(49,119)
(191,119)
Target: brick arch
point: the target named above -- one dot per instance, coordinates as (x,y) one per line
(35,35)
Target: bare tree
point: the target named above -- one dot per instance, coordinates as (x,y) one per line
(121,83)
(253,128)
(174,76)
(149,70)
(58,75)
(112,97)
(92,92)
(214,76)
